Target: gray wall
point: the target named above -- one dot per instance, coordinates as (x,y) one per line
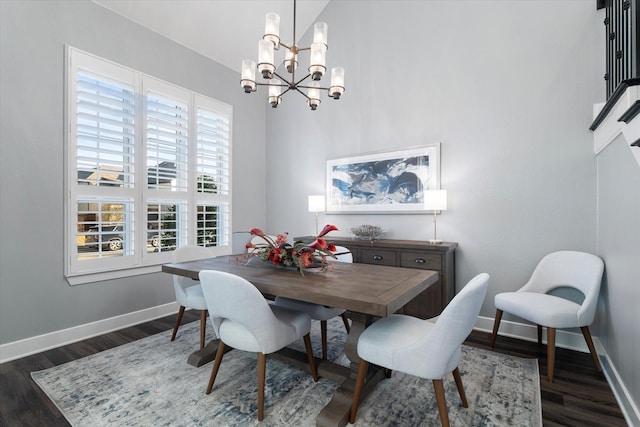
(619,246)
(507,88)
(34,296)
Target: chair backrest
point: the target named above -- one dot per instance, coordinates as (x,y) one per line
(433,356)
(579,270)
(231,297)
(343,254)
(182,254)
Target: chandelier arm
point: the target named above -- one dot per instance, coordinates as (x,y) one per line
(314,87)
(268,84)
(302,79)
(288,89)
(301,92)
(288,83)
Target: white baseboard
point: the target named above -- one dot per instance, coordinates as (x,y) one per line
(629,409)
(527,332)
(17,349)
(572,341)
(564,339)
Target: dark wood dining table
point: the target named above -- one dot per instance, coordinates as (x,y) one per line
(366,291)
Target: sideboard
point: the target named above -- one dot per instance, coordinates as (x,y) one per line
(413,254)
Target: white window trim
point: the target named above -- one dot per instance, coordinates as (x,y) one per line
(141,262)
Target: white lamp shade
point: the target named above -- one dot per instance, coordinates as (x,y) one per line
(272,29)
(337,82)
(248,81)
(320,31)
(435,200)
(316,204)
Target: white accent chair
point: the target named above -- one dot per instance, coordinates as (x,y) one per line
(577,270)
(321,312)
(243,319)
(421,347)
(189,291)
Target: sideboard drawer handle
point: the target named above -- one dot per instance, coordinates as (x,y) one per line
(419,261)
(377,257)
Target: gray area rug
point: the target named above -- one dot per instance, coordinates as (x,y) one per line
(149,383)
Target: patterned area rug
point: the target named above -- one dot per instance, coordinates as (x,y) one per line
(149,383)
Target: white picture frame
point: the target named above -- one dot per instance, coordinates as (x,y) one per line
(383,182)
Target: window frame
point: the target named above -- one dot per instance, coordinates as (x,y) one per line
(141,196)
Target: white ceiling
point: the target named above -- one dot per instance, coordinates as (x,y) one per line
(226,31)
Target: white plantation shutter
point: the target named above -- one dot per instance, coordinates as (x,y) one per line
(166,139)
(213,151)
(148,170)
(105,131)
(213,161)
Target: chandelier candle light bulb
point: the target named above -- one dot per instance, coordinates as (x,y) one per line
(272,29)
(271,42)
(274,92)
(248,76)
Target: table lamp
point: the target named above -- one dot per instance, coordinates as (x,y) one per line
(435,200)
(316,204)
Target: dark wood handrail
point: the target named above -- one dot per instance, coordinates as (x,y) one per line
(613,99)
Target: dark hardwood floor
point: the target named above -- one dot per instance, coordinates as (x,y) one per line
(579,395)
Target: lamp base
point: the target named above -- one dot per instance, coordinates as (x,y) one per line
(434,241)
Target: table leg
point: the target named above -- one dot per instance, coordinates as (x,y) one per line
(337,411)
(205,355)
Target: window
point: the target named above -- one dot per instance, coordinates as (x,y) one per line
(148,169)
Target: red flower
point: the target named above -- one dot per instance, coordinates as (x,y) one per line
(281,239)
(318,244)
(249,245)
(327,228)
(332,248)
(256,232)
(305,259)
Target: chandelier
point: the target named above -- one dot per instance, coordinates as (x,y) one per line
(266,65)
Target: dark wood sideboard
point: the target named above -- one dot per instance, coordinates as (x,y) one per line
(413,254)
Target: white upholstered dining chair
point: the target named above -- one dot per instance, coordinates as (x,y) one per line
(578,270)
(318,311)
(421,347)
(243,320)
(188,291)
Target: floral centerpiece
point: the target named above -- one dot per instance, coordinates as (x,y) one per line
(302,254)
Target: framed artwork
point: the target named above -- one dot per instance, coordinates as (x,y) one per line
(383,182)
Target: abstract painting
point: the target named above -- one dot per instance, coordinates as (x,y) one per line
(385,182)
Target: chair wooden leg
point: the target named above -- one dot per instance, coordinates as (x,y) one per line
(539,334)
(177,325)
(262,370)
(458,378)
(496,325)
(442,402)
(203,327)
(592,349)
(345,320)
(362,373)
(323,331)
(551,352)
(312,362)
(216,365)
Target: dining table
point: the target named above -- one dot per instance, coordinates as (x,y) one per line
(368,292)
